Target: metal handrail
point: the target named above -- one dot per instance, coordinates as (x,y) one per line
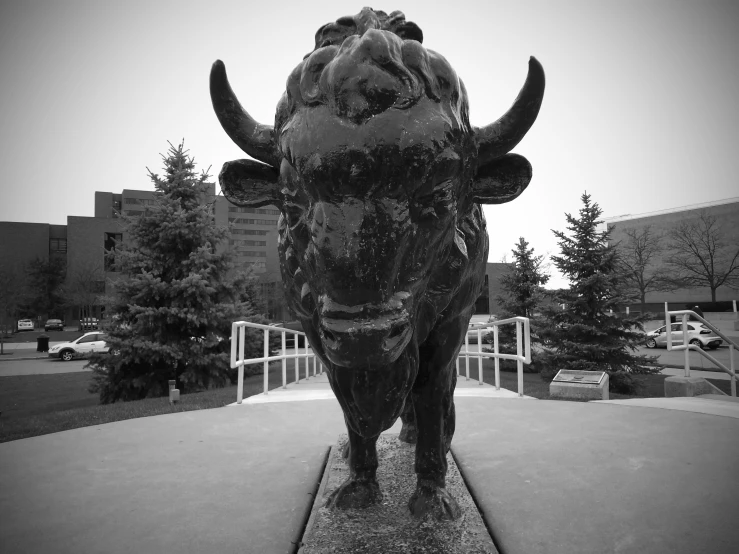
(689,347)
(520,357)
(238,332)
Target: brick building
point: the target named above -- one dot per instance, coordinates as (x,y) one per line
(661,223)
(84,240)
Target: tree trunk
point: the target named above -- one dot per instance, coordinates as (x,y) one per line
(713,296)
(643,302)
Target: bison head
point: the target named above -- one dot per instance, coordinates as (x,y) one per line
(373,164)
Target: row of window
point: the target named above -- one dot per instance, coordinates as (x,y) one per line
(253,211)
(248,242)
(248,232)
(141,201)
(252,221)
(113,239)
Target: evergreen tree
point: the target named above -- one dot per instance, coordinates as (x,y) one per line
(177,295)
(580,332)
(523,284)
(523,294)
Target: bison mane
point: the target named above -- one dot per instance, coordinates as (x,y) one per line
(362,68)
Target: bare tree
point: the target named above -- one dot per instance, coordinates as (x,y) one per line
(702,255)
(85,288)
(11,288)
(639,258)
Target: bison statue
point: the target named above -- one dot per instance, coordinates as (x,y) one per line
(379,178)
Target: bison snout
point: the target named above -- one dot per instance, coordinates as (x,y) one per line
(369,344)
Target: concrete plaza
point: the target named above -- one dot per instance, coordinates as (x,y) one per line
(548,476)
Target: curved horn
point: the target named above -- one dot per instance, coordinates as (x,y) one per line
(501,137)
(252,137)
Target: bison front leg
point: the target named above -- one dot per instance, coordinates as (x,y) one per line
(361,489)
(408,432)
(433,400)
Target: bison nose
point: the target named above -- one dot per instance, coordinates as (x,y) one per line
(367,344)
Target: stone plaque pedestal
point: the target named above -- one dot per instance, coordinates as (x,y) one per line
(580,385)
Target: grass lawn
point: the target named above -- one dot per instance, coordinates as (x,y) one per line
(34,405)
(39,404)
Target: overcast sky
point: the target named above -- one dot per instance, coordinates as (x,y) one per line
(640,108)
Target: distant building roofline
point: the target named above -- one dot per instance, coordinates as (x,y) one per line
(627,217)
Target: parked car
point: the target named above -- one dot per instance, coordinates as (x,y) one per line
(25,325)
(89,323)
(54,325)
(80,347)
(698,335)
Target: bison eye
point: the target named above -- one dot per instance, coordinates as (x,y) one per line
(435,206)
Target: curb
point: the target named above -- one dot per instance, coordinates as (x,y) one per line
(675,366)
(3,359)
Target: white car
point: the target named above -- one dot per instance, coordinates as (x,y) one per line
(80,347)
(25,325)
(698,335)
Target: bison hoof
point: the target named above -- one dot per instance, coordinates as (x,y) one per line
(434,500)
(408,434)
(355,494)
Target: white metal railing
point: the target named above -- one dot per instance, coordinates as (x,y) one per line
(687,347)
(522,355)
(238,332)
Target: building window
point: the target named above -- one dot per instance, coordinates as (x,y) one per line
(247,242)
(252,221)
(98,287)
(109,245)
(253,253)
(258,266)
(234,209)
(57,245)
(248,232)
(140,201)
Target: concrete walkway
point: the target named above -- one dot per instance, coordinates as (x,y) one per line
(549,477)
(711,404)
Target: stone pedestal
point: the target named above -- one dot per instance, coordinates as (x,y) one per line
(389,528)
(689,386)
(565,386)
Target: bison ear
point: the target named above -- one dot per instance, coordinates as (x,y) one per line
(501,180)
(250,183)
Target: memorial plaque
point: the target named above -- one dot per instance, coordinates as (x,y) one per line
(571,384)
(574,376)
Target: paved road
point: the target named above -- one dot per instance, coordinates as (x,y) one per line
(44,366)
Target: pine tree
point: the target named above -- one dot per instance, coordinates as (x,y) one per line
(584,331)
(523,284)
(177,295)
(523,294)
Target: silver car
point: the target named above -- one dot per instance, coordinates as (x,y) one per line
(79,347)
(698,334)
